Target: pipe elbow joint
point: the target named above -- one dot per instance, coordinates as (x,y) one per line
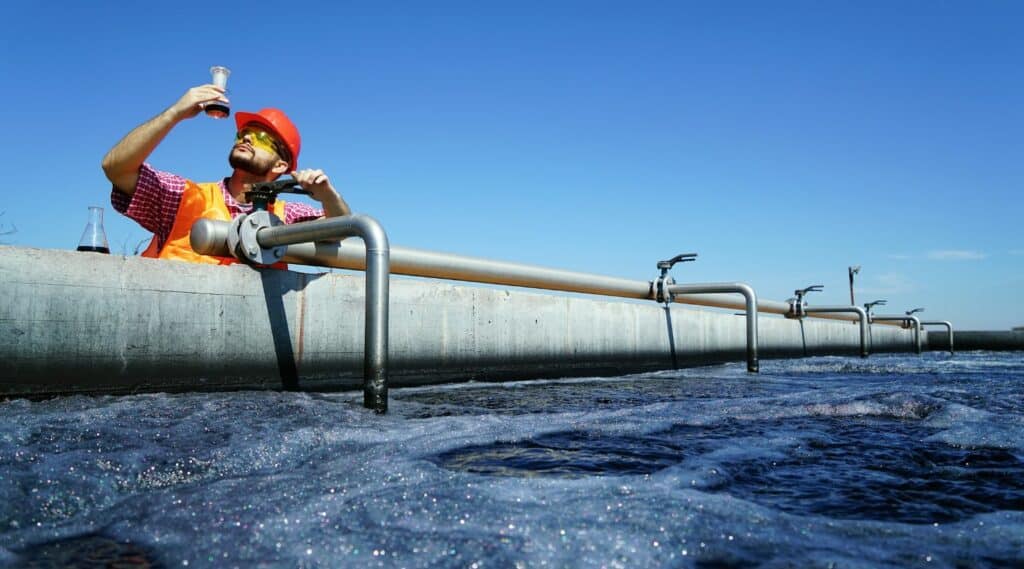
(371,231)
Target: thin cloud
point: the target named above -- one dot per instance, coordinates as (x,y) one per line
(898,256)
(888,283)
(956,255)
(1017,251)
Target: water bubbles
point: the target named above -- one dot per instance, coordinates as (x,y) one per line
(574,473)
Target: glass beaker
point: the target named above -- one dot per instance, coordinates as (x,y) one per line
(95,237)
(219,109)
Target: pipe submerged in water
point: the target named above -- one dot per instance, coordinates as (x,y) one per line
(750,307)
(861,314)
(211,237)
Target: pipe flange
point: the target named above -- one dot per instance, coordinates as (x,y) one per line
(249,247)
(661,285)
(233,239)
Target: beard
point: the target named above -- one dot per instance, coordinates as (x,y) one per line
(250,162)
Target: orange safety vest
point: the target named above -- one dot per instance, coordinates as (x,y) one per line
(199,201)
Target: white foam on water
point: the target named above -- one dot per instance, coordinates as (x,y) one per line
(313,480)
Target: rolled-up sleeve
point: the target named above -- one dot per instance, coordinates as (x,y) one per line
(295,212)
(155,202)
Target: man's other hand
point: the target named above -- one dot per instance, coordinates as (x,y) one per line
(320,188)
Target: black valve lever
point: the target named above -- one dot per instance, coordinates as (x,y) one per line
(869,305)
(660,286)
(680,258)
(796,305)
(803,291)
(262,194)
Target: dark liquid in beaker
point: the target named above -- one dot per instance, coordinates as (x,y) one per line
(217,110)
(92,249)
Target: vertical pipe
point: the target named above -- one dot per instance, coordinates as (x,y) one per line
(750,305)
(949,328)
(751,299)
(375,354)
(378,268)
(852,301)
(917,332)
(906,319)
(864,326)
(861,314)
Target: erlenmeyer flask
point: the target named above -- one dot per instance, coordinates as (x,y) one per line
(95,237)
(218,109)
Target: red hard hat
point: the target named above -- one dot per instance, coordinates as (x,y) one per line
(278,124)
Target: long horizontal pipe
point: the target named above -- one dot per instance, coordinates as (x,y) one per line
(947,324)
(905,319)
(749,305)
(861,314)
(210,236)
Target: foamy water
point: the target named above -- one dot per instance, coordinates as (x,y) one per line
(888,461)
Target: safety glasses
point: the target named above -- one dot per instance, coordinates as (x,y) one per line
(261,139)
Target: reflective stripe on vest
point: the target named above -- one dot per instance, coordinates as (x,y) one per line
(198,201)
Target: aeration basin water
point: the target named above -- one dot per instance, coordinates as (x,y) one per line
(888,461)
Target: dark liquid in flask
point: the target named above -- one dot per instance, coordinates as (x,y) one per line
(92,249)
(217,110)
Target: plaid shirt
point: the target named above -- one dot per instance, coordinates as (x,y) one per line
(158,194)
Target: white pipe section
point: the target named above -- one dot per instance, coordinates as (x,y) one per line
(209,237)
(423,263)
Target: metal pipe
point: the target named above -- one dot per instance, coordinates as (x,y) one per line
(424,263)
(906,318)
(750,305)
(947,324)
(861,314)
(853,270)
(210,237)
(375,352)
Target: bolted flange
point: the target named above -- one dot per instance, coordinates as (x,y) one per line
(242,238)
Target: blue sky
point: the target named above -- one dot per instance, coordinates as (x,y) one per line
(782,141)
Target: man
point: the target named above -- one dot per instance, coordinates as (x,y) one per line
(266,146)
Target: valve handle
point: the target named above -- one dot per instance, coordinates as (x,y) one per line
(282,186)
(812,288)
(262,194)
(680,258)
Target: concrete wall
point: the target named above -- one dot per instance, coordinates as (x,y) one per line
(84,322)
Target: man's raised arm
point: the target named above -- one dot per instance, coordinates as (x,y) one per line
(121,165)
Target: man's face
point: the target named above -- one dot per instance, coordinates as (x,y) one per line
(254,151)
